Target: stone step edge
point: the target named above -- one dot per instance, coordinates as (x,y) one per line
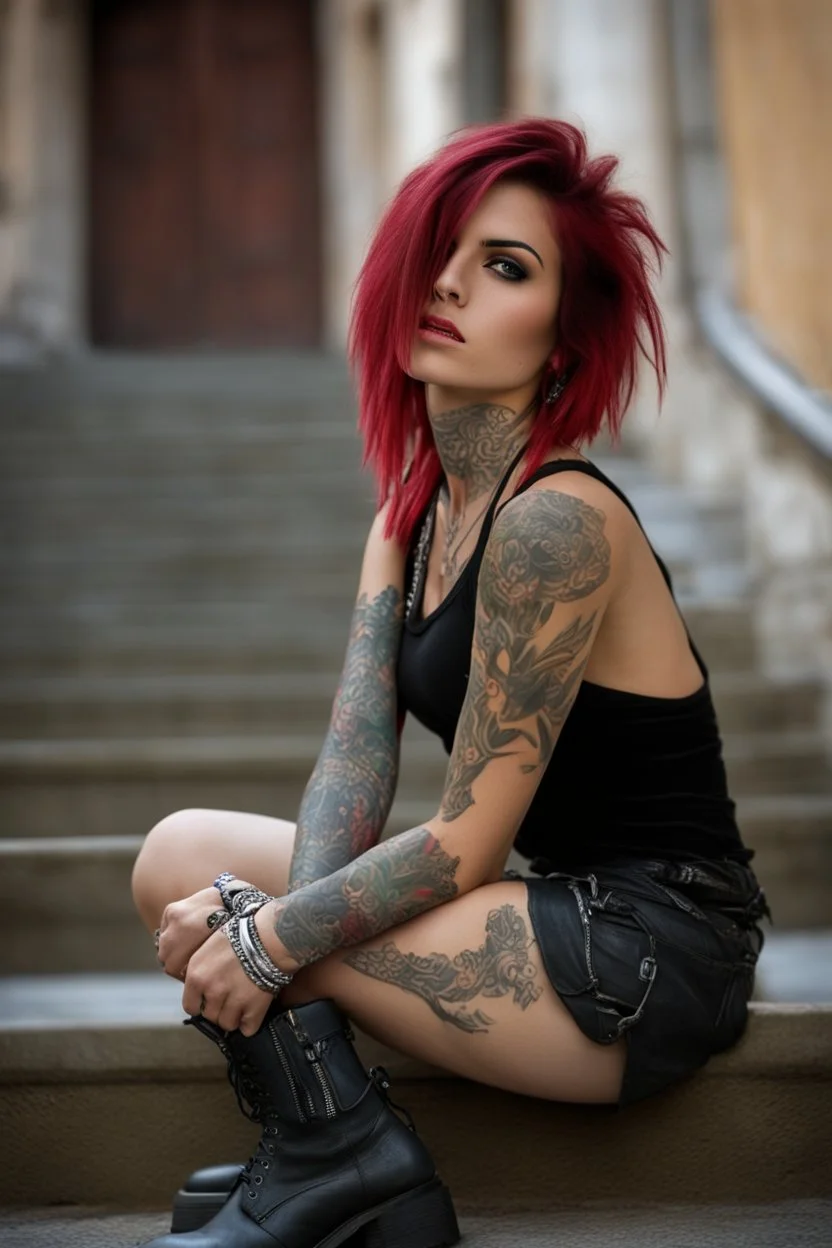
(43,757)
(783,1041)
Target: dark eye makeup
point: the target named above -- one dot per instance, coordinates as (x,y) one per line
(512,271)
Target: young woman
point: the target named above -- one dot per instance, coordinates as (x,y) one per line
(510,600)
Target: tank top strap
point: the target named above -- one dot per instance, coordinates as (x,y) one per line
(492,506)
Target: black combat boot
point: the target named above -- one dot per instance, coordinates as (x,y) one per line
(202,1195)
(334,1160)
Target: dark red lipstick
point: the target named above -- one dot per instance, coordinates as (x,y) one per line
(438,325)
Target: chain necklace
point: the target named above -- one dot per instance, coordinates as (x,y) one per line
(421,554)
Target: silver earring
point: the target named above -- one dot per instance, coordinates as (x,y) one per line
(555,388)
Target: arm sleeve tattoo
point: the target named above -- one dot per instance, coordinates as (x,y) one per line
(348,798)
(386,886)
(545,548)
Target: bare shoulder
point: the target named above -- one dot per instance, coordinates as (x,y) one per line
(384,559)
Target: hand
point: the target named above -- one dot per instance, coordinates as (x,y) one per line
(217,987)
(184,929)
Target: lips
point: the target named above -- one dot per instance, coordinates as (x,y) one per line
(438,324)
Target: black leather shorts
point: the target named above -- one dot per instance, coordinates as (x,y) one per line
(662,953)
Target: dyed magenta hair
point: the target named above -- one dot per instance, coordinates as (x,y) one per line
(606,318)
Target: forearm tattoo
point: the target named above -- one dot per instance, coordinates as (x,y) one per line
(386,886)
(545,548)
(500,967)
(350,792)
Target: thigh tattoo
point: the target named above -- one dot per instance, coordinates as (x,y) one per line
(500,966)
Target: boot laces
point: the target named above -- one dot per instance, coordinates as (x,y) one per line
(253,1100)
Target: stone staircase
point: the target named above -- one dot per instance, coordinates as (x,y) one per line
(182,549)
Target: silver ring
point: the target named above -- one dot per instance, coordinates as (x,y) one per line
(157,935)
(216,919)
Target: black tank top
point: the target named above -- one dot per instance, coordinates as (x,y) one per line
(630,774)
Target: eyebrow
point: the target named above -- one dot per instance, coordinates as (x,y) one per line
(511,242)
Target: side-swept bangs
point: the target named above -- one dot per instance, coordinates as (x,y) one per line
(607,315)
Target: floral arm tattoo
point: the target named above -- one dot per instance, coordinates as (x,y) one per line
(350,792)
(386,886)
(546,548)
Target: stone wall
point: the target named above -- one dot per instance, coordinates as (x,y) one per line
(42,125)
(774,74)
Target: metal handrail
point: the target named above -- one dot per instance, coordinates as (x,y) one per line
(733,336)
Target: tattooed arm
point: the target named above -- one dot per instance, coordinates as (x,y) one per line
(350,792)
(544,585)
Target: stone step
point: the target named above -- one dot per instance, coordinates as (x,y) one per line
(65,390)
(177,703)
(176,572)
(258,634)
(124,786)
(798,1223)
(210,703)
(225,456)
(149,1099)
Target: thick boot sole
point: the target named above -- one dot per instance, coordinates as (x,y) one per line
(423,1218)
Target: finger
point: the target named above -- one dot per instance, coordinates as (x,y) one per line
(230,1015)
(194,998)
(252,1017)
(175,970)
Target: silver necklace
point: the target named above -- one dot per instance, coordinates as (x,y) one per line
(421,553)
(420,556)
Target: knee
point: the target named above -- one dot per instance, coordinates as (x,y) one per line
(170,844)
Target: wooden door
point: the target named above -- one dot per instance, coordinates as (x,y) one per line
(204,214)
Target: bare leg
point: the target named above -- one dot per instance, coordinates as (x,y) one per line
(462,986)
(188,849)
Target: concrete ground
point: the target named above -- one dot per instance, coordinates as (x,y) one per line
(791,1224)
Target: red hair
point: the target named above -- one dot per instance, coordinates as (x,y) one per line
(607,314)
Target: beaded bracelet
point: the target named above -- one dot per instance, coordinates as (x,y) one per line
(221,885)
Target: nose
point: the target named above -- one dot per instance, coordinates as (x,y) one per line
(448,285)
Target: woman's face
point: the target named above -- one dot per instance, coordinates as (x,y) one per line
(498,296)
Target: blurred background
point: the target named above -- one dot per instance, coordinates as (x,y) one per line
(187,188)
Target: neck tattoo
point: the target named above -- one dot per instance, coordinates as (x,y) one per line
(474,443)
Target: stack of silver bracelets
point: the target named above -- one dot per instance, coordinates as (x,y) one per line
(241,904)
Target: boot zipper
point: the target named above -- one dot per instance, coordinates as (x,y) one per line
(287,1070)
(313,1056)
